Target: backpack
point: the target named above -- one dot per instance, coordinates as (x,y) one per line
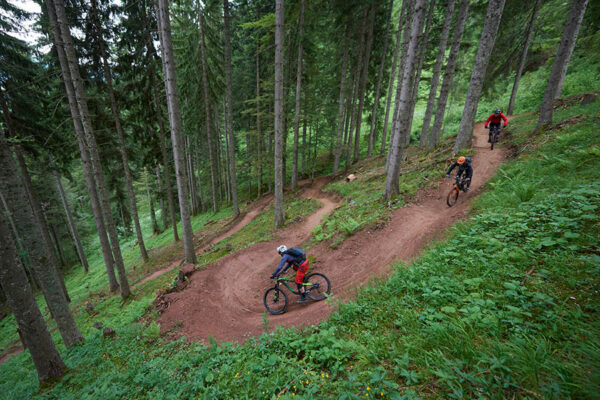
(297,253)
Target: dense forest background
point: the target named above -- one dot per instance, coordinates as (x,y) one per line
(124,119)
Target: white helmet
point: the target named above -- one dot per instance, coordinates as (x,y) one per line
(281,249)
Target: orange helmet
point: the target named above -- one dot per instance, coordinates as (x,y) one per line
(461,160)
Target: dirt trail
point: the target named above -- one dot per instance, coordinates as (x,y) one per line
(225,300)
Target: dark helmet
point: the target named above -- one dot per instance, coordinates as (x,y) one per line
(498,111)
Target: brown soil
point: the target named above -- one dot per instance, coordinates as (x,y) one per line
(226,299)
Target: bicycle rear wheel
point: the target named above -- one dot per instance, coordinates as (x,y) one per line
(452,197)
(275,301)
(318,286)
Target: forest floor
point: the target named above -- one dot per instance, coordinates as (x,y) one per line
(232,288)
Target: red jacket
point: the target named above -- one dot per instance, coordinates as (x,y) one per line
(496,119)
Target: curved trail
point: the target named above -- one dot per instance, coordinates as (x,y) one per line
(225,300)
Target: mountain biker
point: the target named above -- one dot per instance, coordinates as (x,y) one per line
(295,257)
(494,120)
(464,167)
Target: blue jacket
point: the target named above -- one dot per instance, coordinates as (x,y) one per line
(289,259)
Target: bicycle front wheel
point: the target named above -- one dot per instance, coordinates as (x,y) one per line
(452,197)
(275,301)
(318,286)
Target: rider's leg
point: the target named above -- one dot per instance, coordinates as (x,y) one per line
(300,278)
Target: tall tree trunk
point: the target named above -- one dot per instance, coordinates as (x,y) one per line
(340,119)
(231,141)
(484,52)
(87,166)
(76,80)
(61,256)
(363,83)
(162,11)
(162,191)
(298,98)
(209,132)
(513,95)
(21,300)
(437,69)
(155,228)
(279,215)
(423,44)
(402,123)
(303,161)
(561,62)
(43,260)
(259,135)
(120,135)
(390,90)
(191,176)
(72,226)
(436,131)
(372,132)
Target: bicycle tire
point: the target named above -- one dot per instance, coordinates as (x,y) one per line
(492,145)
(275,301)
(318,281)
(452,197)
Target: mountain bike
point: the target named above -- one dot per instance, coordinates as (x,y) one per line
(316,287)
(494,133)
(459,184)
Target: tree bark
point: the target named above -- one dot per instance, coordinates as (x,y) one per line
(120,135)
(298,98)
(162,191)
(390,90)
(484,52)
(76,80)
(379,80)
(162,10)
(278,162)
(155,228)
(513,95)
(363,83)
(231,141)
(209,132)
(21,300)
(402,124)
(259,135)
(340,119)
(437,69)
(43,260)
(561,62)
(436,131)
(72,226)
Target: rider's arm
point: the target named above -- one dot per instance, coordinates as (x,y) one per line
(504,118)
(487,121)
(451,168)
(285,259)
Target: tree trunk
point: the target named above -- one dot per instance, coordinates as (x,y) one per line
(484,52)
(436,131)
(402,123)
(162,191)
(21,300)
(42,256)
(87,166)
(298,98)
(231,141)
(340,119)
(279,215)
(437,69)
(513,95)
(70,220)
(209,132)
(120,135)
(561,62)
(379,80)
(303,163)
(76,80)
(189,160)
(258,124)
(155,229)
(162,10)
(363,82)
(390,90)
(423,43)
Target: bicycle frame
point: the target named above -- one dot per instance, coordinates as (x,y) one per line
(284,281)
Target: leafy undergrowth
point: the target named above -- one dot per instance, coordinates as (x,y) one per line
(507,307)
(363,205)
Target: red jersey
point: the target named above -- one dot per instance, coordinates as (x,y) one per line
(496,119)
